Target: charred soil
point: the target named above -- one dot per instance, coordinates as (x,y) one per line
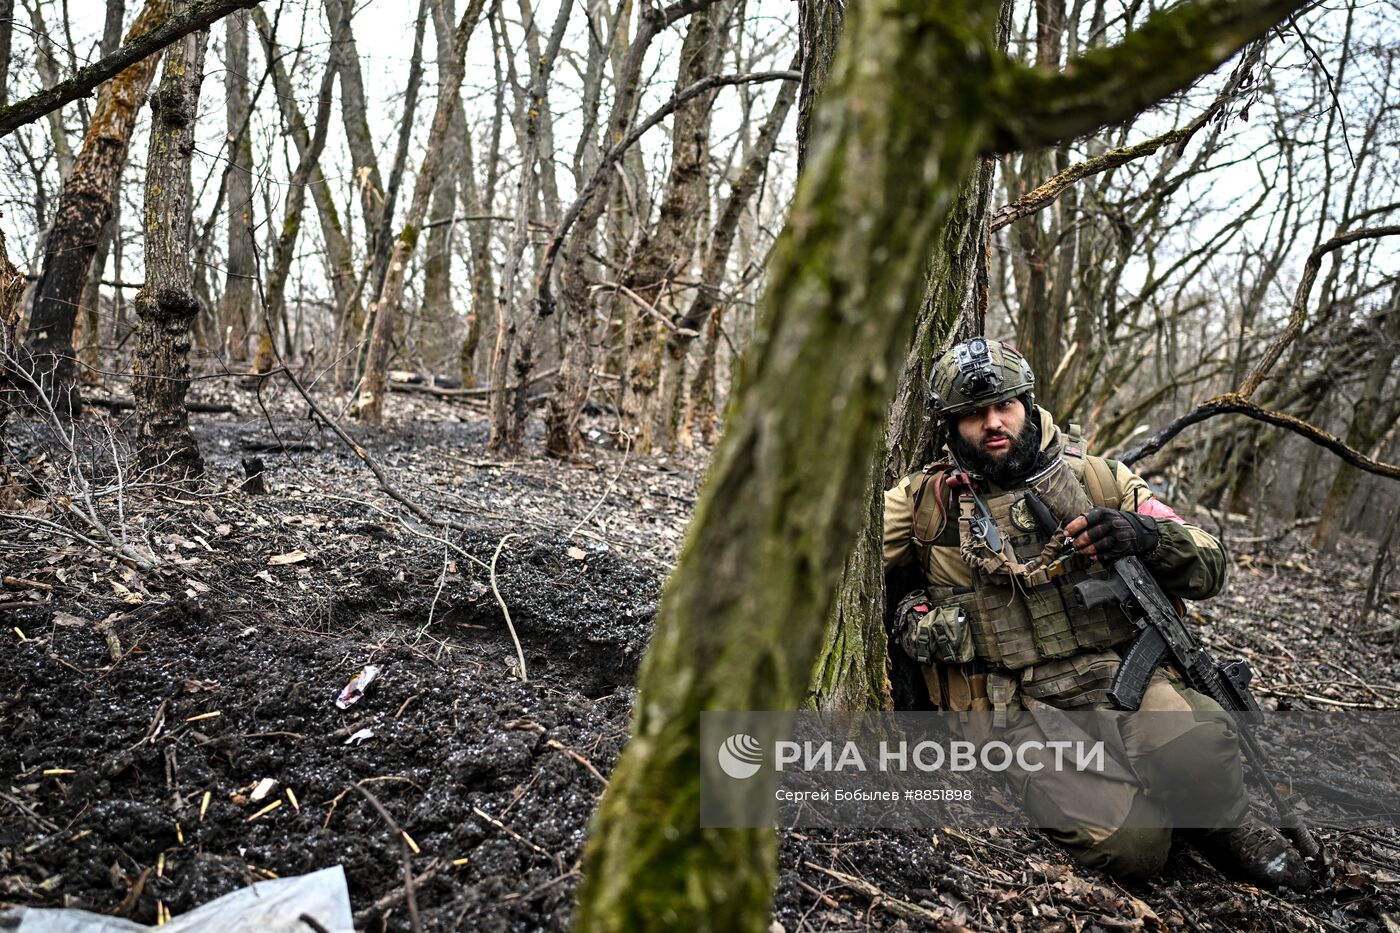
(172,734)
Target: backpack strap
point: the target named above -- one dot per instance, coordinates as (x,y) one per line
(932,500)
(1096,475)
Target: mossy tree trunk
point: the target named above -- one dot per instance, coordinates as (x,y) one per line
(917,94)
(854,665)
(166,304)
(665,252)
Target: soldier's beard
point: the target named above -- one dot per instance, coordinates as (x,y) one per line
(1005,471)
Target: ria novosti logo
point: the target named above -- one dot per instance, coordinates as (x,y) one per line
(740,756)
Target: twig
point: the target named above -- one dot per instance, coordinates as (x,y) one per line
(613,482)
(1311,698)
(118,553)
(540,889)
(825,898)
(642,303)
(519,652)
(25,809)
(313,923)
(894,905)
(413,921)
(508,831)
(393,897)
(556,744)
(1186,915)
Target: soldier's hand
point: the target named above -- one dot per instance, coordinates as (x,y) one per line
(1108,534)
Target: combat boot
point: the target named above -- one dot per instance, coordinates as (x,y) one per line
(1254,852)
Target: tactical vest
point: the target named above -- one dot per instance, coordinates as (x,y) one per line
(1015,625)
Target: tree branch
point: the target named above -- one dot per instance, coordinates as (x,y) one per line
(1047,193)
(1237,403)
(1108,85)
(1300,301)
(610,158)
(198,15)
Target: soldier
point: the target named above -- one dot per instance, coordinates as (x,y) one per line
(998,629)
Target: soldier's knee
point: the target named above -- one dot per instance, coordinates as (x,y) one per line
(1137,848)
(1199,772)
(1132,852)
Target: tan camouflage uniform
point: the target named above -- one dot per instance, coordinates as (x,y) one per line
(1116,821)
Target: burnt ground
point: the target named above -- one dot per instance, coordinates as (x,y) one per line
(126,696)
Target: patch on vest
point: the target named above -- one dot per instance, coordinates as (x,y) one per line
(1022,516)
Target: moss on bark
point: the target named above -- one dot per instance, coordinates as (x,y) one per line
(913,100)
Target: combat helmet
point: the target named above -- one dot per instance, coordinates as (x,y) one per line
(976,373)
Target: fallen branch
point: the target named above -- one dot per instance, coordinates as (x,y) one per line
(126,404)
(463,393)
(900,908)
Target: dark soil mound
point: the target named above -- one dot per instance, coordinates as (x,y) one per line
(493,779)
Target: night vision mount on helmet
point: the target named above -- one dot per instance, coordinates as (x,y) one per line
(976,373)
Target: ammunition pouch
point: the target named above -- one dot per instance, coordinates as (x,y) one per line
(934,632)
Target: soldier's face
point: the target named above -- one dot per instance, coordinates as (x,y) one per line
(993,430)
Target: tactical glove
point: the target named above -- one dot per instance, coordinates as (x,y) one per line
(1114,533)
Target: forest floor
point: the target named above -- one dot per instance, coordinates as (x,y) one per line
(142,709)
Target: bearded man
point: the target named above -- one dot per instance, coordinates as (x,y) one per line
(998,629)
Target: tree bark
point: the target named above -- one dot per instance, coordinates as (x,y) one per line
(819,24)
(236,314)
(84,206)
(741,617)
(666,251)
(147,37)
(166,305)
(370,404)
(12,375)
(7,18)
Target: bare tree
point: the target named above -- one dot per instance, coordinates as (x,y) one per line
(166,304)
(738,626)
(84,206)
(370,404)
(235,313)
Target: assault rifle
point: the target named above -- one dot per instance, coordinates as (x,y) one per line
(1162,636)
